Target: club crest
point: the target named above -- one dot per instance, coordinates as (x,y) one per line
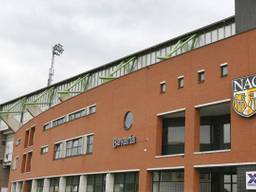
(244,96)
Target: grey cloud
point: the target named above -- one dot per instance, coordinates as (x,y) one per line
(92,32)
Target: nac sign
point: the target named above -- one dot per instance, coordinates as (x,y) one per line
(244,96)
(251,180)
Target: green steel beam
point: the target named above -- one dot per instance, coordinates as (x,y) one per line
(119,67)
(179,45)
(68,91)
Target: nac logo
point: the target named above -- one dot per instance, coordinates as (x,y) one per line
(244,96)
(251,180)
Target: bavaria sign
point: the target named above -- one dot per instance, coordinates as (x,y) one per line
(251,180)
(120,142)
(244,96)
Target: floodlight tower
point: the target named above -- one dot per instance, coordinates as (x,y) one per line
(57,49)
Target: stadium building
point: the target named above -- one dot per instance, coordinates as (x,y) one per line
(178,116)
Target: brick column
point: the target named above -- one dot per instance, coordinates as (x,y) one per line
(191,179)
(145,181)
(192,144)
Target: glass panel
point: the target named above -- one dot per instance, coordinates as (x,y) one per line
(234,178)
(221,34)
(205,134)
(227,187)
(176,135)
(234,188)
(226,132)
(214,36)
(228,31)
(208,38)
(227,178)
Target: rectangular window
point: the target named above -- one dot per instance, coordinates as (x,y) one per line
(47,126)
(96,183)
(92,109)
(126,182)
(89,146)
(215,129)
(222,179)
(77,115)
(181,82)
(29,162)
(72,184)
(162,87)
(23,163)
(54,184)
(168,181)
(18,141)
(40,185)
(173,136)
(26,139)
(74,147)
(58,121)
(224,70)
(58,150)
(201,76)
(31,136)
(15,163)
(44,149)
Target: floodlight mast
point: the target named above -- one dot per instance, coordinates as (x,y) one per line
(57,49)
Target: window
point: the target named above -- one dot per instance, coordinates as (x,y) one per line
(40,185)
(201,76)
(54,184)
(89,146)
(15,163)
(31,136)
(173,135)
(96,183)
(205,182)
(44,149)
(230,182)
(128,120)
(180,82)
(223,179)
(171,181)
(74,147)
(58,121)
(162,87)
(215,129)
(92,109)
(18,141)
(72,184)
(28,162)
(26,139)
(58,150)
(23,163)
(77,115)
(47,126)
(224,70)
(126,182)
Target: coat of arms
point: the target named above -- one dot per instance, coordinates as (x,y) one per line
(244,96)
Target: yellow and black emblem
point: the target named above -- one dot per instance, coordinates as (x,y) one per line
(244,96)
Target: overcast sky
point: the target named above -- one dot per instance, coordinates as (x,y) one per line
(93,32)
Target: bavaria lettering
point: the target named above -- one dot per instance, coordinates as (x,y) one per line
(119,142)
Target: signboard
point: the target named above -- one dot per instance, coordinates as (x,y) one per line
(120,142)
(244,96)
(251,180)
